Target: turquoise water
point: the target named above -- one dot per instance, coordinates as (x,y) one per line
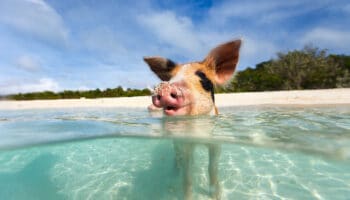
(267,153)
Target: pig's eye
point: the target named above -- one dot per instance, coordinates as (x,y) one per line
(206,83)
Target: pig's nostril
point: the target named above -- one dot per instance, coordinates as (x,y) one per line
(159,97)
(173,95)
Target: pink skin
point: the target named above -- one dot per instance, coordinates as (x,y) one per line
(172,98)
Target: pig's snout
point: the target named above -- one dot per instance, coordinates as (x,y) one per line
(167,96)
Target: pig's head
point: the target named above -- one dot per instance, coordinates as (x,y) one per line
(188,89)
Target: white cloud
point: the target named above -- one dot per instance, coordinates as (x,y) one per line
(103,39)
(257,49)
(328,38)
(173,30)
(242,9)
(28,63)
(43,84)
(347,8)
(262,11)
(180,33)
(34,17)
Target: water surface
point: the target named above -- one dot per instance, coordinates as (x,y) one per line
(267,153)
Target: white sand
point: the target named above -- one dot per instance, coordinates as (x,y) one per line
(305,97)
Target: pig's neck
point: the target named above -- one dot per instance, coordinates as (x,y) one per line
(214,111)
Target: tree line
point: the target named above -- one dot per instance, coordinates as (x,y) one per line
(68,94)
(308,68)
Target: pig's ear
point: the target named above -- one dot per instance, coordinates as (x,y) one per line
(224,59)
(162,67)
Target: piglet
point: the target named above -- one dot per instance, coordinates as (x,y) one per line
(188,89)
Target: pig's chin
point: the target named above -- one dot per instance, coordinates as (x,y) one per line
(176,110)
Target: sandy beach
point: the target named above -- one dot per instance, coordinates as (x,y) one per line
(304,97)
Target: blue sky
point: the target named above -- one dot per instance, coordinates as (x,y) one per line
(88,44)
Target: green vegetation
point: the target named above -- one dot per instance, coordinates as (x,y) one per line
(309,68)
(67,94)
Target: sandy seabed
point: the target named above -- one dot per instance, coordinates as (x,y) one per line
(295,97)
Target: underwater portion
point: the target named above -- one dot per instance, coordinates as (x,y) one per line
(268,152)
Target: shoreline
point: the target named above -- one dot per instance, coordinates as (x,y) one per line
(294,97)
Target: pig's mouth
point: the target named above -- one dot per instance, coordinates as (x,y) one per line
(172,110)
